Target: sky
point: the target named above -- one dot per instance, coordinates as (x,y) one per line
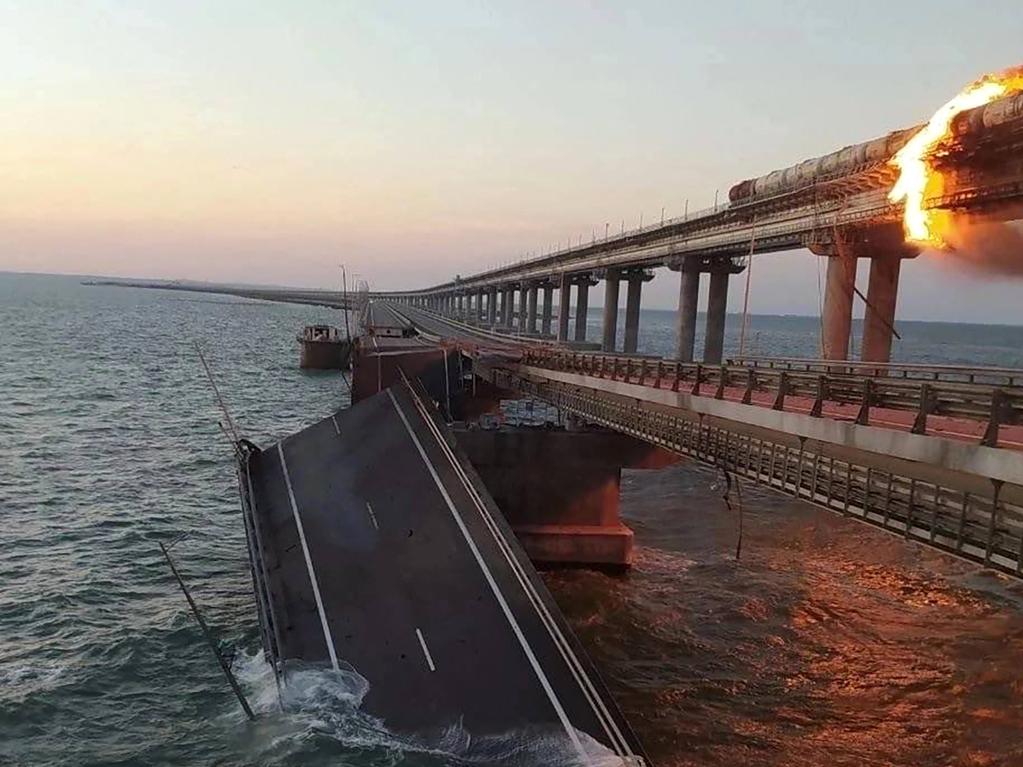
(268,142)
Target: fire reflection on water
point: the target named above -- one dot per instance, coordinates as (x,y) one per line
(828,643)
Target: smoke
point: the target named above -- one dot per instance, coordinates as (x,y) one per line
(985,248)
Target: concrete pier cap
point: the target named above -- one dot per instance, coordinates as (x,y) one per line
(559,488)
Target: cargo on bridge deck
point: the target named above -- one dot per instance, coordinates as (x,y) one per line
(375,547)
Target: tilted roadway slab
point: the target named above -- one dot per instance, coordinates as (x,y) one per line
(380,548)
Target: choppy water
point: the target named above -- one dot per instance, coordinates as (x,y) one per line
(829,643)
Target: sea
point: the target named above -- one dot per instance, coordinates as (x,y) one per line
(825,642)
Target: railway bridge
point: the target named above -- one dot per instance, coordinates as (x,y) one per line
(836,205)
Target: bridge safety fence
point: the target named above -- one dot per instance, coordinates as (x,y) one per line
(880,388)
(973,517)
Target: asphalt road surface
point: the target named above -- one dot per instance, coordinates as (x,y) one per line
(382,549)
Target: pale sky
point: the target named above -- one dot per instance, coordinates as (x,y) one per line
(268,142)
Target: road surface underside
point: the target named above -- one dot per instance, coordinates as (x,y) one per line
(376,548)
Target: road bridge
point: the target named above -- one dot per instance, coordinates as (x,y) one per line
(419,588)
(931,453)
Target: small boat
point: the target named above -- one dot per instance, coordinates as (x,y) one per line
(323,348)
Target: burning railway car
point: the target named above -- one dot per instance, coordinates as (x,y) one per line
(848,161)
(862,158)
(993,115)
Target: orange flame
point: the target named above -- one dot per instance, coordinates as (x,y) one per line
(917,174)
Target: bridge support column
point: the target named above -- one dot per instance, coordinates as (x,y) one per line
(548,309)
(879,317)
(509,307)
(610,324)
(717,306)
(582,301)
(531,308)
(688,303)
(836,319)
(481,315)
(632,305)
(492,307)
(523,300)
(564,301)
(570,516)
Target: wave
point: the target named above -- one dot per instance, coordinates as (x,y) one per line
(321,703)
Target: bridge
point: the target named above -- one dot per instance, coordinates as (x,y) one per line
(432,469)
(836,205)
(928,452)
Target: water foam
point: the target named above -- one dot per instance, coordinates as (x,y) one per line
(319,702)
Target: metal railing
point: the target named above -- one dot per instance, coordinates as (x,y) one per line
(998,376)
(994,406)
(974,518)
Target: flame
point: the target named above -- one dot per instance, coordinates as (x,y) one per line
(918,176)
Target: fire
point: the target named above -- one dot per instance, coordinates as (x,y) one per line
(917,176)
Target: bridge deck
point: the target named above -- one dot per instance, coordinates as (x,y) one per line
(377,546)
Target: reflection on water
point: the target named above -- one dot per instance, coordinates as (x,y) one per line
(828,643)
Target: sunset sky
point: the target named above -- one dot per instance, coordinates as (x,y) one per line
(268,142)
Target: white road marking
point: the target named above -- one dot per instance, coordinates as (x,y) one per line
(488,576)
(372,516)
(308,560)
(426,650)
(337,429)
(596,702)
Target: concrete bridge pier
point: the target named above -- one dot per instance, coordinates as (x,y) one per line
(582,305)
(509,307)
(564,302)
(523,300)
(548,309)
(492,307)
(569,517)
(458,305)
(836,318)
(531,308)
(635,281)
(610,322)
(717,306)
(688,300)
(879,315)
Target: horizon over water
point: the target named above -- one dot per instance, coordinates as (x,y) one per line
(828,642)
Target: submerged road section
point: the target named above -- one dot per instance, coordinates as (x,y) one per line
(375,546)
